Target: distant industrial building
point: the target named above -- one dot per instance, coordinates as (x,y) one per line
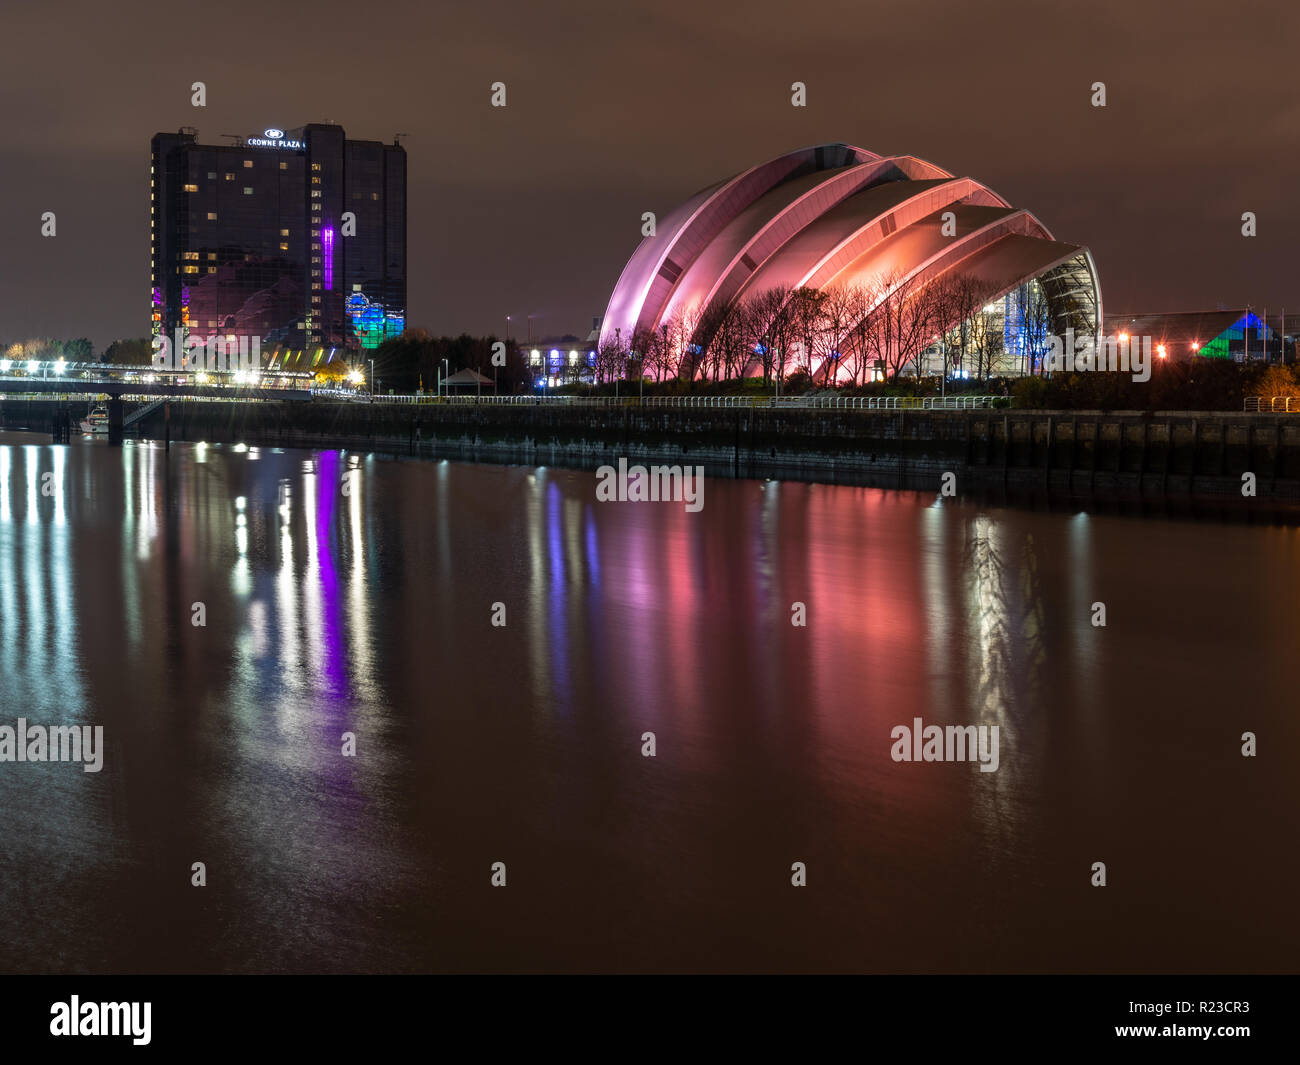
(1240,335)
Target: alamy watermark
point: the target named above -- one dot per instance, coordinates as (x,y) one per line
(953,743)
(75,1017)
(658,484)
(55,743)
(224,353)
(1071,354)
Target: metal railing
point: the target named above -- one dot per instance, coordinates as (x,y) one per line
(142,412)
(813,402)
(1272,404)
(901,402)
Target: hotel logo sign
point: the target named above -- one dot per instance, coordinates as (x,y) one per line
(273,138)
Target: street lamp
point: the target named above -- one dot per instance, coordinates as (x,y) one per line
(444,377)
(372,380)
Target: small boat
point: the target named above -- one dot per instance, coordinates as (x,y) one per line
(96,422)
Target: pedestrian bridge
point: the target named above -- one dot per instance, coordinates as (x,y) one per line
(47,379)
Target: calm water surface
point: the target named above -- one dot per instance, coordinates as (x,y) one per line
(350,593)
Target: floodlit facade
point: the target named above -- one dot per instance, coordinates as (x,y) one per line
(835,216)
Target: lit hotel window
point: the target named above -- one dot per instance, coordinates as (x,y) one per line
(284,232)
(248,163)
(190,270)
(212,270)
(191,188)
(212,216)
(230,176)
(315,166)
(248,190)
(315,194)
(212,175)
(284,166)
(212,255)
(284,245)
(315,181)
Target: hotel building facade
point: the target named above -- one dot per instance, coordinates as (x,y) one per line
(294,236)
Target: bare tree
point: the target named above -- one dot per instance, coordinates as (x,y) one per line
(986,341)
(897,327)
(770,324)
(807,325)
(841,310)
(712,337)
(1038,327)
(643,353)
(955,299)
(611,357)
(729,340)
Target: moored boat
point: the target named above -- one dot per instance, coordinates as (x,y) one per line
(96,422)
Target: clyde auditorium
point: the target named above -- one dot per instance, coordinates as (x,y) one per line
(837,215)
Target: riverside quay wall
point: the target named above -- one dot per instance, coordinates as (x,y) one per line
(1083,453)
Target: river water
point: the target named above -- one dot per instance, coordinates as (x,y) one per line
(349,593)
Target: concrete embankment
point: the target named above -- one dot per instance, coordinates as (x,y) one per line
(1064,453)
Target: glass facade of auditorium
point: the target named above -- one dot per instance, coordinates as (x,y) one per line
(1012,334)
(297,237)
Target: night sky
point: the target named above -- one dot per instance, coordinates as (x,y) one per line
(616,109)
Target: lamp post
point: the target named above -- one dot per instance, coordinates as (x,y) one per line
(372,380)
(444,377)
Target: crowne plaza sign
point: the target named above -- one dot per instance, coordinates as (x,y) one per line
(273,138)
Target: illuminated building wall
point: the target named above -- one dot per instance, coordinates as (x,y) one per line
(1232,343)
(371,324)
(273,234)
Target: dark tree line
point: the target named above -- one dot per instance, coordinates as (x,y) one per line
(414,360)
